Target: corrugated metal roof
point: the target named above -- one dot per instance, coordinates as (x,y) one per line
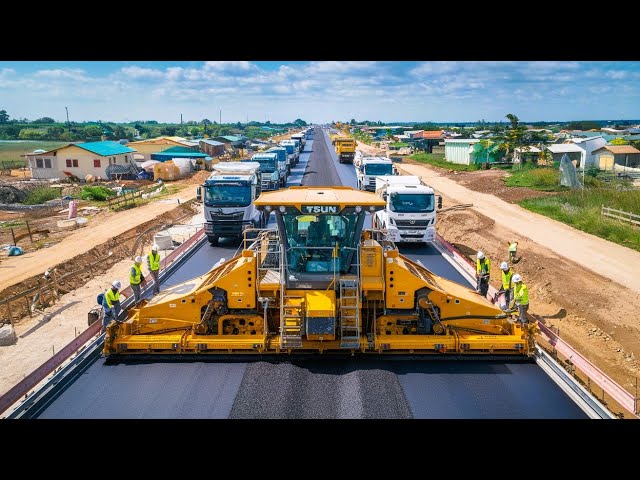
(176,150)
(564,148)
(106,148)
(617,149)
(461,140)
(213,143)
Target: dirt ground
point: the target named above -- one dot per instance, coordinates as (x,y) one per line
(54,327)
(596,315)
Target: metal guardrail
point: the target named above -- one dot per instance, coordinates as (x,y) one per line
(169,264)
(620,215)
(627,400)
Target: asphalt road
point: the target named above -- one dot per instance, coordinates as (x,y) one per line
(312,388)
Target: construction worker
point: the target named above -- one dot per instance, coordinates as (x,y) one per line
(111,304)
(136,278)
(507,283)
(520,298)
(513,247)
(153,264)
(483,267)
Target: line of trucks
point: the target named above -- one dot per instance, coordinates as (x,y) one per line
(229,192)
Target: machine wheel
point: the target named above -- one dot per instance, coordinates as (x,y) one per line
(213,239)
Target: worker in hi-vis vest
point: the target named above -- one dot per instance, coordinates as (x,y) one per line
(136,278)
(483,266)
(153,264)
(520,298)
(111,303)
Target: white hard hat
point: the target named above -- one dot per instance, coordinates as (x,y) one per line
(155,247)
(138,259)
(116,284)
(480,255)
(504,266)
(517,278)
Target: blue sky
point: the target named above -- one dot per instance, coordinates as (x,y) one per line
(444,91)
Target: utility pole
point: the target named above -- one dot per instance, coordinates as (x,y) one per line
(68,123)
(220,116)
(180,119)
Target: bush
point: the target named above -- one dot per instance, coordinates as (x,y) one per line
(437,160)
(545,179)
(98,193)
(41,195)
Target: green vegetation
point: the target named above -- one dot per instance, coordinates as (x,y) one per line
(581,210)
(545,179)
(98,193)
(398,145)
(41,194)
(437,160)
(11,151)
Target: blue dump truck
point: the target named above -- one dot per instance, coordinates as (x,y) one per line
(292,149)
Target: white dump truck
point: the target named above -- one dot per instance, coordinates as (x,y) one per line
(410,214)
(228,196)
(371,167)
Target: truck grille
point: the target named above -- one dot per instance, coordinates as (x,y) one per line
(231,217)
(409,225)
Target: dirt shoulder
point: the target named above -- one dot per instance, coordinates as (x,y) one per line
(615,262)
(110,224)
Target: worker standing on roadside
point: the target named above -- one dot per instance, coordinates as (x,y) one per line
(153,264)
(520,298)
(483,266)
(136,278)
(111,304)
(507,283)
(513,247)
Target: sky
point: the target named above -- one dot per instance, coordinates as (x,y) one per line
(321,91)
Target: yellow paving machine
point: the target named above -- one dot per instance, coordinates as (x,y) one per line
(319,283)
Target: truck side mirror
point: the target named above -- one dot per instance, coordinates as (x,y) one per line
(384,196)
(439,202)
(199,194)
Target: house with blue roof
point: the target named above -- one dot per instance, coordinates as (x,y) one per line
(79,160)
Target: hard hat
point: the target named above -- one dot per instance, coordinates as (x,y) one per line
(504,266)
(138,259)
(517,278)
(155,247)
(480,255)
(116,284)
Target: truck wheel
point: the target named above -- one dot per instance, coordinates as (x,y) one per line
(213,239)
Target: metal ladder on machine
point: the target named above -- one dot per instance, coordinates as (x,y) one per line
(349,313)
(291,313)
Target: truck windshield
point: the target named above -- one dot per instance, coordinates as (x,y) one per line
(411,202)
(267,165)
(378,169)
(227,195)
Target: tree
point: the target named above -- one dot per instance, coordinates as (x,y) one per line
(92,131)
(44,120)
(353,121)
(514,136)
(619,141)
(299,122)
(4,117)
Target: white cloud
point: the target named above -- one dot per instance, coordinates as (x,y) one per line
(229,66)
(140,72)
(63,74)
(616,74)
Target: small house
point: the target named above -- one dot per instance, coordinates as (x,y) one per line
(158,144)
(623,155)
(460,150)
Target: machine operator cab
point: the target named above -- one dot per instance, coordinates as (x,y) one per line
(320,230)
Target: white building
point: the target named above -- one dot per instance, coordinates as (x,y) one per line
(588,145)
(460,150)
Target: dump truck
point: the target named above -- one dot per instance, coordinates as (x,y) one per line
(301,138)
(369,168)
(318,284)
(228,196)
(410,212)
(345,148)
(283,156)
(292,150)
(273,170)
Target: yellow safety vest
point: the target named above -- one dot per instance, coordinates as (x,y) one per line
(483,267)
(513,246)
(521,294)
(135,279)
(154,263)
(110,297)
(506,279)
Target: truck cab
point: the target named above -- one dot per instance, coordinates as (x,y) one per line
(274,172)
(410,213)
(292,150)
(283,156)
(345,148)
(301,138)
(371,167)
(228,196)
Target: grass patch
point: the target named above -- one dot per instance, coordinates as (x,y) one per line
(545,179)
(581,210)
(398,145)
(97,193)
(41,195)
(437,160)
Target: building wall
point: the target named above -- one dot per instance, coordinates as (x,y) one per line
(456,152)
(211,150)
(632,160)
(605,160)
(85,163)
(146,148)
(589,146)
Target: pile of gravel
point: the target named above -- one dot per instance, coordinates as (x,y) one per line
(10,194)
